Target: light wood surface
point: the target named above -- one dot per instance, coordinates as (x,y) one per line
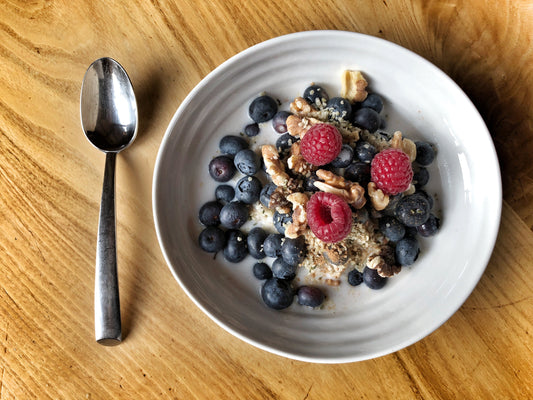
(51,177)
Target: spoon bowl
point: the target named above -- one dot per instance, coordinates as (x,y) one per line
(108,106)
(109,120)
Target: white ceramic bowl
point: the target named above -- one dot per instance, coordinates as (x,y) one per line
(356,323)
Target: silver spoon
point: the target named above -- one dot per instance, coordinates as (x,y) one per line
(109,120)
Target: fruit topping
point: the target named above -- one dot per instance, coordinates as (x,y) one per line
(321,144)
(221,169)
(391,171)
(310,296)
(263,108)
(329,217)
(277,293)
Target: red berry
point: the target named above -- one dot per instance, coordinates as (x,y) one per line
(321,144)
(329,217)
(391,171)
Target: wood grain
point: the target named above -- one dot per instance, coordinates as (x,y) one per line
(50,180)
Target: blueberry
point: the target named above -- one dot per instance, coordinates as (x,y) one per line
(427,196)
(251,130)
(263,108)
(283,270)
(372,279)
(407,250)
(430,227)
(247,162)
(236,248)
(364,151)
(309,183)
(293,251)
(390,209)
(222,169)
(272,245)
(358,172)
(281,221)
(310,296)
(367,118)
(374,102)
(355,277)
(248,189)
(209,214)
(420,177)
(232,144)
(393,229)
(224,193)
(339,108)
(256,238)
(425,154)
(212,239)
(279,121)
(344,158)
(233,215)
(413,210)
(284,143)
(277,293)
(262,271)
(316,95)
(266,192)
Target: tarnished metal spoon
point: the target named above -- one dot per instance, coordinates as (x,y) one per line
(109,119)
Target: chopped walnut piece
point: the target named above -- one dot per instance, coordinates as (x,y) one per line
(278,200)
(353,85)
(274,166)
(383,262)
(300,106)
(299,216)
(378,199)
(351,192)
(296,162)
(336,253)
(404,144)
(298,126)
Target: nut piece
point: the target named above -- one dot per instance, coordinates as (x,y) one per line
(300,106)
(351,192)
(336,253)
(404,144)
(296,162)
(296,126)
(383,262)
(278,200)
(274,166)
(378,199)
(353,85)
(299,216)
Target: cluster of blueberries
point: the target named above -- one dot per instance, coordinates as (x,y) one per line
(405,217)
(224,216)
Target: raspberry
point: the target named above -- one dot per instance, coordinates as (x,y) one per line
(329,217)
(391,171)
(321,144)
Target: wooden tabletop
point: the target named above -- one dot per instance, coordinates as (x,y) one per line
(51,178)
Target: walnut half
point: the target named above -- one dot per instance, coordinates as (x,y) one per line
(404,144)
(299,215)
(274,166)
(378,199)
(353,85)
(351,192)
(383,262)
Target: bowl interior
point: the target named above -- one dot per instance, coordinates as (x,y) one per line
(356,323)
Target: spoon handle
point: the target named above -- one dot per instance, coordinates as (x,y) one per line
(106,298)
